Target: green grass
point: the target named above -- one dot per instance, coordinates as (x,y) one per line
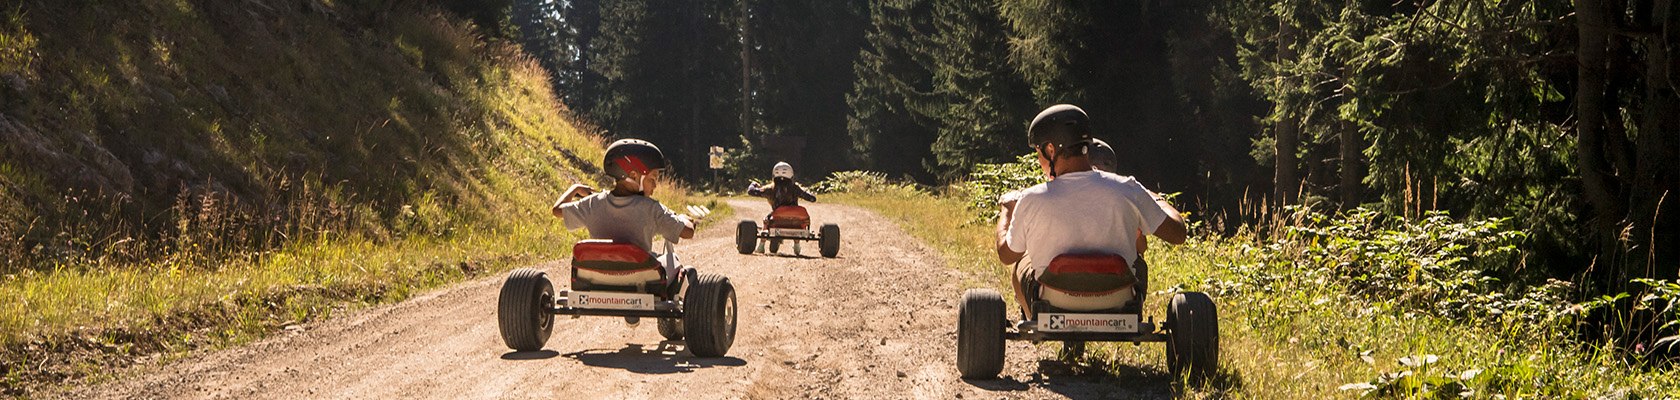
(191,174)
(1304,337)
(81,321)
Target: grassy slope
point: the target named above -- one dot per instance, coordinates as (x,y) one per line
(1304,340)
(177,174)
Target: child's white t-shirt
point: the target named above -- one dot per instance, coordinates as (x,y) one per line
(635,219)
(1082,212)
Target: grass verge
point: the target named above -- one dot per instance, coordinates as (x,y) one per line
(73,323)
(177,175)
(1303,337)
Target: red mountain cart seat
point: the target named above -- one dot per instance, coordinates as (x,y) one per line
(611,263)
(1087,282)
(789,217)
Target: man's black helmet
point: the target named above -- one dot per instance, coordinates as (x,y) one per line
(1061,125)
(632,155)
(1103,156)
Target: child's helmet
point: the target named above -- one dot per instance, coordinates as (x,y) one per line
(782,170)
(1102,155)
(627,156)
(1061,125)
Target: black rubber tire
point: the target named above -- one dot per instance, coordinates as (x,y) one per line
(522,309)
(1193,337)
(671,328)
(980,326)
(830,240)
(1071,351)
(746,236)
(709,316)
(775,246)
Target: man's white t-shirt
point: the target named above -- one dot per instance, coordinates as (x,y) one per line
(1083,212)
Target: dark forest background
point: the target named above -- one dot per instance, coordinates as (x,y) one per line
(1562,116)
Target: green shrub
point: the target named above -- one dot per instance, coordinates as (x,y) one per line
(989,181)
(861,182)
(1436,265)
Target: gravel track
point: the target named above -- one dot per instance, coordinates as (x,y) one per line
(879,321)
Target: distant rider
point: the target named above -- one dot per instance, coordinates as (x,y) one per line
(782,190)
(1079,209)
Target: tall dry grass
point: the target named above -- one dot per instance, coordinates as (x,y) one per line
(304,161)
(1304,336)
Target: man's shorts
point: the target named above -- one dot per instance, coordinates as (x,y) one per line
(1024,273)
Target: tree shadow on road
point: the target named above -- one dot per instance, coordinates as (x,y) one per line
(665,358)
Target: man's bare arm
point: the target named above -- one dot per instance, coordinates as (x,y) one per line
(1172,229)
(1006,213)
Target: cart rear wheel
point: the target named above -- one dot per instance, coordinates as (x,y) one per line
(522,310)
(980,326)
(1193,337)
(709,316)
(830,240)
(746,235)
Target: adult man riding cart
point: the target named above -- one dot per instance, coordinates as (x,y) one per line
(1076,244)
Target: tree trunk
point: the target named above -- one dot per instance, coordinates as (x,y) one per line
(1594,23)
(1353,165)
(1288,130)
(746,73)
(1651,216)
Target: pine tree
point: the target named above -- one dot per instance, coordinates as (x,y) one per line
(803,51)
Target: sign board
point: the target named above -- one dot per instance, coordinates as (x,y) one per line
(1062,322)
(716,156)
(612,300)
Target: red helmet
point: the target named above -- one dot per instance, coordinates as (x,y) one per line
(627,156)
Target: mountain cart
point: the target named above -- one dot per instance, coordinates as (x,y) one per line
(622,280)
(1084,298)
(786,223)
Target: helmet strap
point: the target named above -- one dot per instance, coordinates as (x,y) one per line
(640,188)
(1042,152)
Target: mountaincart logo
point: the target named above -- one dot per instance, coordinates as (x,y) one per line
(1089,323)
(585,300)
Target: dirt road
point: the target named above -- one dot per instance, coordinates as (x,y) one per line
(877,322)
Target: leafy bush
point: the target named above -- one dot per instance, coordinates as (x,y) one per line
(1664,295)
(989,181)
(1421,377)
(1435,264)
(1656,312)
(860,182)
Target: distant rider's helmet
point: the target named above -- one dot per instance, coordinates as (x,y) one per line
(782,170)
(1061,125)
(1103,157)
(627,156)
